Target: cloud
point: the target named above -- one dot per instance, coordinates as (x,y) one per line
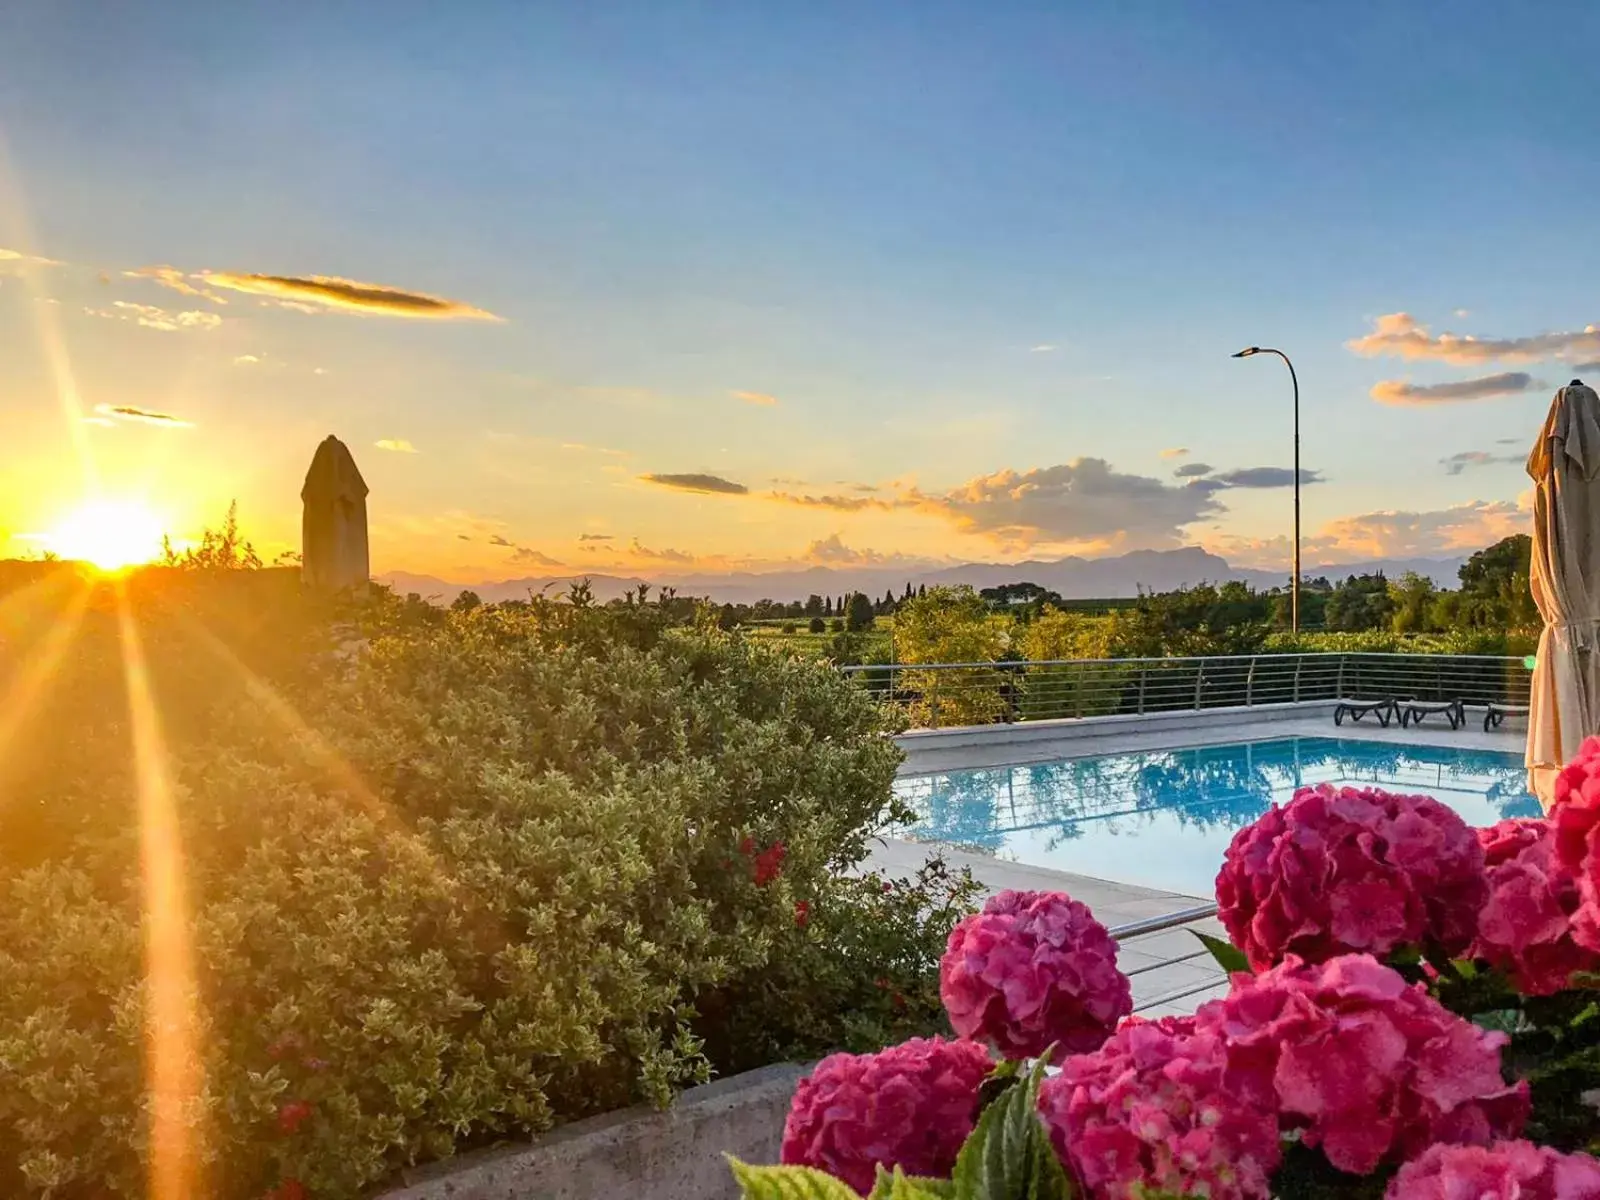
(19,259)
(1400,335)
(246,360)
(595,537)
(835,503)
(528,556)
(760,398)
(831,551)
(398,445)
(178,281)
(1176,452)
(103,422)
(314,292)
(865,487)
(127,412)
(671,556)
(1457,463)
(1470,526)
(1265,477)
(1509,441)
(1084,501)
(464,537)
(1193,470)
(152,317)
(497,540)
(1388,534)
(1399,392)
(696,482)
(1044,348)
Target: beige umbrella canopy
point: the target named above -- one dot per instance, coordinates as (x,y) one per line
(1565,467)
(333,520)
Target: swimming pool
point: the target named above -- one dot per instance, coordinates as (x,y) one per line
(1162,819)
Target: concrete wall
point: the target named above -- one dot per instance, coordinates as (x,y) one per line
(638,1154)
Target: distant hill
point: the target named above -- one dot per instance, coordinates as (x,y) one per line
(1074,578)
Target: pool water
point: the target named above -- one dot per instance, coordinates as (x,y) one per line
(1162,819)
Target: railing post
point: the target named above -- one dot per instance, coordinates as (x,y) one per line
(1299,663)
(1199,681)
(1250,684)
(1143,669)
(1338,691)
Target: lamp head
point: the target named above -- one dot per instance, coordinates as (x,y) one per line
(1248,351)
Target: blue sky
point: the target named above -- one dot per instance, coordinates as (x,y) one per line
(955,244)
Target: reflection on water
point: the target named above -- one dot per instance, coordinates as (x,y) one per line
(1163,819)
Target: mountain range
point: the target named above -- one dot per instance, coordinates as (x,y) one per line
(1074,578)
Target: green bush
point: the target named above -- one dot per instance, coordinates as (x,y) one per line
(495,870)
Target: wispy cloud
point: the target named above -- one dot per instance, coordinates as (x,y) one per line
(1043,348)
(345,295)
(1457,463)
(152,317)
(528,556)
(1176,452)
(1193,470)
(1399,392)
(681,557)
(145,416)
(595,537)
(757,398)
(19,259)
(496,539)
(246,360)
(1265,477)
(172,277)
(1400,335)
(697,482)
(835,502)
(398,445)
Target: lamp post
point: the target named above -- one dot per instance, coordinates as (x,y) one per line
(1294,584)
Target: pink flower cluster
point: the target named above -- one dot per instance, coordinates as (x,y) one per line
(1504,1171)
(1526,926)
(1150,1110)
(910,1106)
(1347,870)
(1363,1064)
(1575,818)
(1033,969)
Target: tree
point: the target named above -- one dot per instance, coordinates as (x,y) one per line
(813,606)
(858,613)
(727,617)
(817,625)
(827,607)
(1495,586)
(1360,602)
(466,602)
(1413,598)
(952,625)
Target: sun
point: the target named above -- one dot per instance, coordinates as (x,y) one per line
(110,534)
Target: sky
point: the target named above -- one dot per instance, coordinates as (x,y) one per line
(671,286)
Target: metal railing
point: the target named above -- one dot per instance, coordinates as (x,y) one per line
(939,695)
(1174,920)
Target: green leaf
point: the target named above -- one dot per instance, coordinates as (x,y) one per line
(1229,957)
(790,1183)
(1002,1079)
(900,1186)
(1008,1156)
(1501,1020)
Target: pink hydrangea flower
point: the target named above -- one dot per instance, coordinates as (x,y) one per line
(910,1106)
(1347,870)
(1364,1065)
(1150,1113)
(1575,818)
(1526,926)
(1031,970)
(1503,1171)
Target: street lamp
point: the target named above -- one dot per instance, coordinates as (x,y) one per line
(1294,584)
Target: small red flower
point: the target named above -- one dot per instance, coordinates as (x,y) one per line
(747,846)
(769,864)
(802,913)
(284,1047)
(292,1115)
(882,983)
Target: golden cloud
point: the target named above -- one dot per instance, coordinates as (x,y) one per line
(398,445)
(315,292)
(1400,393)
(760,398)
(1400,335)
(697,482)
(145,416)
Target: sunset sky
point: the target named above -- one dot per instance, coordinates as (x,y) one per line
(660,286)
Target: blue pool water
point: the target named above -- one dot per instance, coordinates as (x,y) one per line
(1162,819)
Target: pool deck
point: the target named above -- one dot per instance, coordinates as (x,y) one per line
(1171,974)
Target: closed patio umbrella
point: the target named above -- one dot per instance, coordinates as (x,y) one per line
(1565,576)
(333,521)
